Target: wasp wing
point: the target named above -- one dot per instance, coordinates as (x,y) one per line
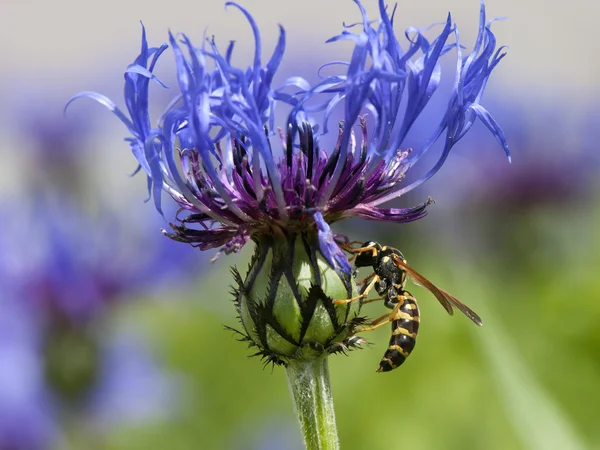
(446,299)
(462,307)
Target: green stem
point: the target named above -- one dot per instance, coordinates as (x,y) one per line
(308,381)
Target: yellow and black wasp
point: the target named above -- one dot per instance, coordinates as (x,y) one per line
(389,278)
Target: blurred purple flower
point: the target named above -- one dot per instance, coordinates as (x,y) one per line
(212,149)
(62,283)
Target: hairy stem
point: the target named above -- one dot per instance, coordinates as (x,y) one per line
(308,381)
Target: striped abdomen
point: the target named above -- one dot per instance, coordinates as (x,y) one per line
(405,326)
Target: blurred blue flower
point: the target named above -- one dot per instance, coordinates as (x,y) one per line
(129,373)
(48,138)
(54,357)
(509,216)
(212,151)
(129,389)
(77,264)
(51,150)
(556,166)
(26,409)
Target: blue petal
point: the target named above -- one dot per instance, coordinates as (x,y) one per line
(249,96)
(156,173)
(422,84)
(492,125)
(105,101)
(328,246)
(463,108)
(134,68)
(137,78)
(195,87)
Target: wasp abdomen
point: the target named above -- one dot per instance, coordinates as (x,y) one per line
(405,326)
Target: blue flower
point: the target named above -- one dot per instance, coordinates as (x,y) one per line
(131,387)
(540,177)
(57,291)
(212,150)
(77,265)
(556,172)
(46,138)
(54,150)
(26,408)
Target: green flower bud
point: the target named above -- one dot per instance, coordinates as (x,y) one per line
(286,303)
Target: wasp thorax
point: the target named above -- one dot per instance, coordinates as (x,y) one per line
(287,302)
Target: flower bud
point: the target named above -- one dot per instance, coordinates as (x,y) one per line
(287,301)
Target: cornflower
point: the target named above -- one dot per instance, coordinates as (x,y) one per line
(213,150)
(58,294)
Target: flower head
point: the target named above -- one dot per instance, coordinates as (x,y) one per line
(235,176)
(214,148)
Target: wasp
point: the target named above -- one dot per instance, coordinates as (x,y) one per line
(390,275)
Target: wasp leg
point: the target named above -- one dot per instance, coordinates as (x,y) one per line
(381,321)
(360,283)
(365,292)
(348,246)
(371,300)
(357,250)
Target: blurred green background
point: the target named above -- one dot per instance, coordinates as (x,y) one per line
(518,243)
